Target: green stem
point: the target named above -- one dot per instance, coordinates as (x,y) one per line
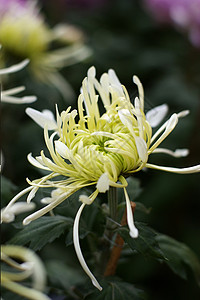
(110,226)
(112,202)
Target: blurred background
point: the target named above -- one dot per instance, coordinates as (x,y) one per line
(159,41)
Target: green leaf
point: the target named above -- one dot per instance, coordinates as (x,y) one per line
(42,231)
(146,242)
(63,276)
(179,257)
(114,289)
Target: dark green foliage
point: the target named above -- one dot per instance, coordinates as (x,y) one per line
(179,257)
(42,231)
(115,289)
(146,242)
(63,275)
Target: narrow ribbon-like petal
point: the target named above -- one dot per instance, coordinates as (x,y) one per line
(189,170)
(176,153)
(36,163)
(133,230)
(16,100)
(78,249)
(141,148)
(14,68)
(170,125)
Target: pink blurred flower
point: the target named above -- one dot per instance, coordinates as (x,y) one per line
(184,14)
(6,4)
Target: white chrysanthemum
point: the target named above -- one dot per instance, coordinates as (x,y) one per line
(88,148)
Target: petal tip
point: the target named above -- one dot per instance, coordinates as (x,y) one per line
(134,234)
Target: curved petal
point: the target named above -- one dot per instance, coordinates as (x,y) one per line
(48,207)
(19,195)
(36,163)
(137,81)
(14,68)
(189,170)
(78,249)
(170,125)
(133,230)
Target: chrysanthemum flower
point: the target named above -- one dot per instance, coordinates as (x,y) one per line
(90,149)
(25,34)
(30,266)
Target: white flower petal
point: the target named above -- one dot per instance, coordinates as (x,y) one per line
(156,115)
(85,199)
(124,111)
(43,119)
(19,195)
(189,170)
(137,81)
(133,230)
(91,72)
(103,183)
(114,81)
(123,115)
(176,153)
(21,207)
(106,117)
(14,91)
(46,200)
(8,214)
(14,68)
(35,162)
(171,123)
(48,207)
(113,78)
(169,126)
(62,149)
(17,100)
(78,249)
(183,113)
(32,193)
(141,148)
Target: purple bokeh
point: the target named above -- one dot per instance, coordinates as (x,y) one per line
(184,14)
(6,4)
